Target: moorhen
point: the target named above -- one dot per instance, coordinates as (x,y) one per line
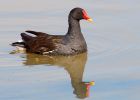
(70,44)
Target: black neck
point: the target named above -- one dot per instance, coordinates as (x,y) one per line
(74,26)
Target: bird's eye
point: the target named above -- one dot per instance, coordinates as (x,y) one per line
(79,13)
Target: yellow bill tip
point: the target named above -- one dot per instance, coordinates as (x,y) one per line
(92,83)
(90,20)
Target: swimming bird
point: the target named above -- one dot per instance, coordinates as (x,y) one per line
(71,43)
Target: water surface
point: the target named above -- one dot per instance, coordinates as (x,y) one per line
(112,61)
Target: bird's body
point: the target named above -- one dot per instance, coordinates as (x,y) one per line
(71,43)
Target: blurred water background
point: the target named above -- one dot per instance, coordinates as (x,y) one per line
(112,61)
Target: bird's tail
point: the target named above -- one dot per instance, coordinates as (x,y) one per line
(19,44)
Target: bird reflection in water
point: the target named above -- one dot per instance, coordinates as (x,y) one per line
(74,65)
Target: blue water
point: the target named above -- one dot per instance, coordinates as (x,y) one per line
(112,61)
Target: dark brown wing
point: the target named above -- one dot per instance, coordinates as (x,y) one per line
(41,43)
(36,33)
